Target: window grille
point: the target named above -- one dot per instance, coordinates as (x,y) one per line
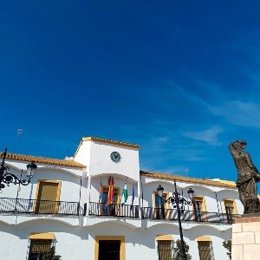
(205,250)
(165,250)
(39,248)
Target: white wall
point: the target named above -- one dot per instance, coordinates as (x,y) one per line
(78,243)
(70,184)
(213,196)
(97,158)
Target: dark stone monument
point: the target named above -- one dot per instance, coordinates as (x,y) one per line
(248,176)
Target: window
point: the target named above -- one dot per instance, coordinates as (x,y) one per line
(199,207)
(165,249)
(47,197)
(205,250)
(39,248)
(230,208)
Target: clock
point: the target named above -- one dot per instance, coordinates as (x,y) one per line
(115,157)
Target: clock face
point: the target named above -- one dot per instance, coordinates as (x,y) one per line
(115,157)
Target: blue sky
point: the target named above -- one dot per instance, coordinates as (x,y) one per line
(180,78)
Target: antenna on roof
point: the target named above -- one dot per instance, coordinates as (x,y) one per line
(19,132)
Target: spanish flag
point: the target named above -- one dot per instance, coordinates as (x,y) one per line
(110,190)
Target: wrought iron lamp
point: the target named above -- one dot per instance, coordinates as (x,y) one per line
(7,178)
(178,202)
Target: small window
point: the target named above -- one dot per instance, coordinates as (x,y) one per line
(230,206)
(199,207)
(205,250)
(40,248)
(165,250)
(199,203)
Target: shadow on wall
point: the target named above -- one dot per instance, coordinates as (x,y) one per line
(144,237)
(24,229)
(198,231)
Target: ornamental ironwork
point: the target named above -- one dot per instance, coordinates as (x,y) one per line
(7,178)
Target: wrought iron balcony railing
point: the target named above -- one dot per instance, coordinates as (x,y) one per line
(116,210)
(187,215)
(32,206)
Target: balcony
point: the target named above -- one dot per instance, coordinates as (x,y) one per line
(31,206)
(129,211)
(114,210)
(62,208)
(187,215)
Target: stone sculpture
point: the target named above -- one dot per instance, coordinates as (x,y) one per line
(248,176)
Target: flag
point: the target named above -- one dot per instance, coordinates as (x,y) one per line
(100,200)
(124,196)
(110,190)
(133,197)
(133,194)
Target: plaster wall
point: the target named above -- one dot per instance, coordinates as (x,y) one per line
(96,156)
(70,185)
(214,196)
(79,243)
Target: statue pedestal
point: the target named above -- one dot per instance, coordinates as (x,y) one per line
(246,237)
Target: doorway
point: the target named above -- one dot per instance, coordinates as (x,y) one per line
(109,250)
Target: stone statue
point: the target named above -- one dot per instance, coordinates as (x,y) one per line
(248,176)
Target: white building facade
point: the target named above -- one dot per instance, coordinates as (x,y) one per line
(79,208)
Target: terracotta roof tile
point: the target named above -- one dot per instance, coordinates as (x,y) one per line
(218,183)
(43,160)
(103,140)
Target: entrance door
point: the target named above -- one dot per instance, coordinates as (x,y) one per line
(47,198)
(109,250)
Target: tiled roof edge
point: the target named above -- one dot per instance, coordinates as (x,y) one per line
(103,140)
(43,160)
(187,179)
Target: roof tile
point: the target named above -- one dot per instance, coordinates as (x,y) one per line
(43,160)
(219,183)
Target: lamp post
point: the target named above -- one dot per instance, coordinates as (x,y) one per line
(179,203)
(6,177)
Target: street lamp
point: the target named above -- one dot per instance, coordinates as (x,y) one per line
(179,203)
(7,177)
